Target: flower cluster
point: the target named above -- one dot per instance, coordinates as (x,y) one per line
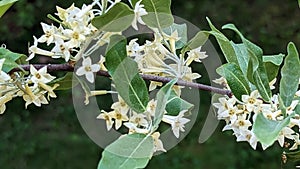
(159,57)
(241,115)
(31,88)
(122,114)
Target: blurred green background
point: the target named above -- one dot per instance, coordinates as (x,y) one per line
(52,138)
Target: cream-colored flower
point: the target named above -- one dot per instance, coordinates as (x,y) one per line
(107,116)
(134,129)
(139,11)
(88,69)
(49,35)
(3,76)
(286,132)
(177,122)
(119,117)
(3,100)
(195,55)
(249,136)
(139,119)
(296,142)
(41,75)
(251,100)
(121,105)
(61,50)
(158,144)
(33,50)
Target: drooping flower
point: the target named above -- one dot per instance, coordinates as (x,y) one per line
(107,116)
(158,144)
(177,122)
(139,11)
(33,50)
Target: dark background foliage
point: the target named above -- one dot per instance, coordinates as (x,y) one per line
(52,138)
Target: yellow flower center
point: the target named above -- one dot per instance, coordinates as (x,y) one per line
(75,35)
(118,116)
(38,76)
(251,100)
(88,68)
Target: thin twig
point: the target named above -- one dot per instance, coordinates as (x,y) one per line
(70,68)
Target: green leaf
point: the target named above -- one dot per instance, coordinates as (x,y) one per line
(272,64)
(235,78)
(124,72)
(5,5)
(267,130)
(224,44)
(290,74)
(242,56)
(11,59)
(66,82)
(176,104)
(258,75)
(159,13)
(128,152)
(162,98)
(293,156)
(117,19)
(182,33)
(198,40)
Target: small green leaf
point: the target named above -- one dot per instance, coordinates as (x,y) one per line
(290,74)
(159,13)
(5,5)
(176,104)
(224,44)
(235,78)
(66,82)
(128,152)
(11,59)
(272,64)
(293,156)
(267,130)
(275,59)
(182,33)
(162,98)
(198,40)
(117,19)
(125,74)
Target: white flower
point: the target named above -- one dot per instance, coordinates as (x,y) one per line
(285,132)
(76,37)
(121,105)
(49,35)
(41,75)
(139,11)
(134,129)
(252,100)
(3,76)
(177,122)
(35,50)
(247,135)
(88,69)
(158,145)
(119,118)
(242,123)
(3,100)
(195,55)
(296,142)
(61,50)
(107,117)
(139,119)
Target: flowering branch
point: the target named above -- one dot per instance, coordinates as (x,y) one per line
(69,68)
